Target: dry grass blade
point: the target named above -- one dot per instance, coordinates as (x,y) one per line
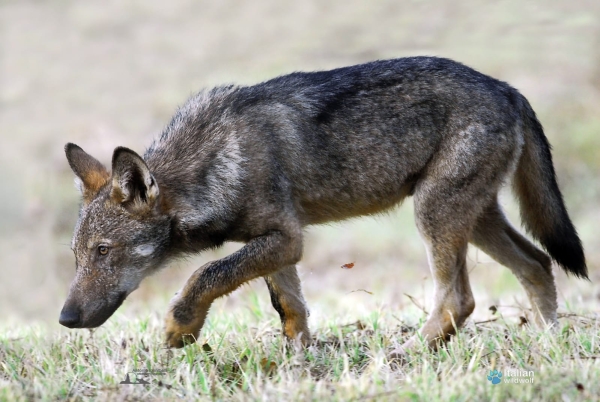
(416,303)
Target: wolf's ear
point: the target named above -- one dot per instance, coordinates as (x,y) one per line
(91,174)
(132,183)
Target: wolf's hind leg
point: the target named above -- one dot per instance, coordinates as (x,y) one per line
(455,189)
(286,297)
(444,224)
(445,232)
(495,236)
(453,300)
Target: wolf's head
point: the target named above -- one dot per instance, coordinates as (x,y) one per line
(121,235)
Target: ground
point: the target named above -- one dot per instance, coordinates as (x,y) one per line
(241,356)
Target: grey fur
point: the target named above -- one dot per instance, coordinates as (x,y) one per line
(257,164)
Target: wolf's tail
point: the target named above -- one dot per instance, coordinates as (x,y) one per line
(543,211)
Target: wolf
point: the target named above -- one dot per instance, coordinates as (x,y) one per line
(257,164)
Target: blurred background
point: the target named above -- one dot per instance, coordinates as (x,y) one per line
(109,73)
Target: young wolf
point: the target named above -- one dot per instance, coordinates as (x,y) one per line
(257,164)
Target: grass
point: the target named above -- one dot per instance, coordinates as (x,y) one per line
(242,356)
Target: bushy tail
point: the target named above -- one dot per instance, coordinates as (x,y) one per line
(543,211)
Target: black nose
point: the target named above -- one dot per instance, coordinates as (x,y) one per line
(69,317)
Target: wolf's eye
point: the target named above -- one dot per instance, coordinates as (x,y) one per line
(102,250)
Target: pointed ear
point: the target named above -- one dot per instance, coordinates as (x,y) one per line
(91,174)
(133,185)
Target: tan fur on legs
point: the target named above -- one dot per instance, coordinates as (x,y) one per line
(259,257)
(448,200)
(286,296)
(497,238)
(453,300)
(177,334)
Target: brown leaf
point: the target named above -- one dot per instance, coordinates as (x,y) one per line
(580,387)
(493,309)
(523,321)
(350,265)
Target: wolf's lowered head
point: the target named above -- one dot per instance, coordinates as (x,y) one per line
(120,237)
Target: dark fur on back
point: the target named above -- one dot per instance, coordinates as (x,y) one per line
(320,130)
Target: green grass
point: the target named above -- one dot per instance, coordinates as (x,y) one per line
(240,357)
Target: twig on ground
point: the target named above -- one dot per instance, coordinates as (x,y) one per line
(416,303)
(486,321)
(361,290)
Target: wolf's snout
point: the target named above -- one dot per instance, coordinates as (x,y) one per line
(70,317)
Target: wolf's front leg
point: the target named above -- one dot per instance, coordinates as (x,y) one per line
(286,297)
(261,256)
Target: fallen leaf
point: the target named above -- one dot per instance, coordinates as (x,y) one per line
(580,387)
(350,265)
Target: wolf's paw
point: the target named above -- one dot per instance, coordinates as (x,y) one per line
(397,358)
(495,377)
(402,355)
(178,336)
(182,324)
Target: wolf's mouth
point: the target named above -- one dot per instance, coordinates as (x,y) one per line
(105,313)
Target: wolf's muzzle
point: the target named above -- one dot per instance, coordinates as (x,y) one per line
(70,317)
